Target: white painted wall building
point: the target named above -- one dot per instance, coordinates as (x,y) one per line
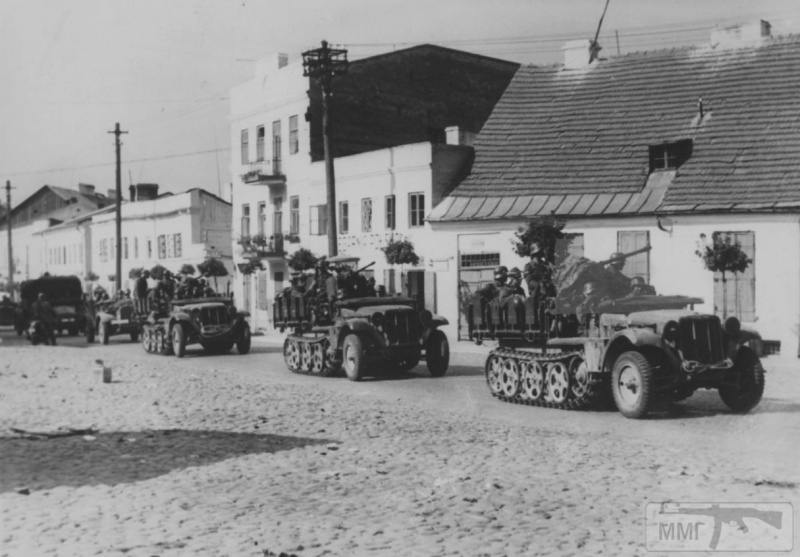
(382,194)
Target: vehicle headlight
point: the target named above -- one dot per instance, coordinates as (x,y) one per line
(670,334)
(426,318)
(733,326)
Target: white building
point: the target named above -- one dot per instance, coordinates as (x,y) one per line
(170,230)
(665,148)
(399,149)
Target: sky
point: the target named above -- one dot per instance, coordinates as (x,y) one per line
(163,69)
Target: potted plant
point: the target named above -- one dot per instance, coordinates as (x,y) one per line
(302,259)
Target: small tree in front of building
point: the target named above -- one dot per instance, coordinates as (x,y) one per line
(187,269)
(400,252)
(723,255)
(213,267)
(135,272)
(302,260)
(157,272)
(544,232)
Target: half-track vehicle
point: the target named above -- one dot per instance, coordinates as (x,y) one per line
(584,346)
(340,323)
(113,317)
(213,322)
(65,295)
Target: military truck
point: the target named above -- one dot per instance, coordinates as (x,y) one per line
(339,323)
(65,295)
(113,317)
(212,322)
(642,350)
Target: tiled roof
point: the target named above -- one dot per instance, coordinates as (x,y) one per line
(575,141)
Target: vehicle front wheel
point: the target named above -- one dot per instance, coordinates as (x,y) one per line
(103,332)
(632,384)
(243,344)
(437,353)
(178,340)
(353,357)
(745,391)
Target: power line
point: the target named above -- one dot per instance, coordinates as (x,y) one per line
(130,161)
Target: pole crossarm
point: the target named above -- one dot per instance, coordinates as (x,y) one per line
(324,63)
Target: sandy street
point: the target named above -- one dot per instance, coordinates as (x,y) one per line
(234,455)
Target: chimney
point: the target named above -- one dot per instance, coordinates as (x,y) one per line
(752,33)
(457,136)
(86,189)
(577,54)
(143,192)
(283,59)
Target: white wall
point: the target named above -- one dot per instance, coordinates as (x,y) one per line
(674,267)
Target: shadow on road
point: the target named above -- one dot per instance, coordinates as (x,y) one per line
(125,456)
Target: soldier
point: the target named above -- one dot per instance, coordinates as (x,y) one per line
(43,312)
(514,284)
(618,284)
(140,291)
(492,289)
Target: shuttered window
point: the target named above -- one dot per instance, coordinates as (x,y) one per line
(636,265)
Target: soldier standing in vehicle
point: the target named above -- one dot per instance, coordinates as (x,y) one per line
(538,277)
(140,291)
(619,284)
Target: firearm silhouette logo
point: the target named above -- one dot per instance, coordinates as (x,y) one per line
(757,526)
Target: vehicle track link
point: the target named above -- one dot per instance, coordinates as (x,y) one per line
(310,356)
(559,380)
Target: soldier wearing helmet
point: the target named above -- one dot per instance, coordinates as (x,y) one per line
(493,289)
(618,285)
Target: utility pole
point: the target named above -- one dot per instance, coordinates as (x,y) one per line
(118,276)
(323,64)
(10,249)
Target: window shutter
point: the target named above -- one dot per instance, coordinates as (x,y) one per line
(388,280)
(430,291)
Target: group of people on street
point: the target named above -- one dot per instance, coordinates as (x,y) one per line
(332,282)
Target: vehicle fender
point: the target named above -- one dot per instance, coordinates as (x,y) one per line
(179,316)
(628,339)
(363,328)
(103,317)
(751,338)
(439,321)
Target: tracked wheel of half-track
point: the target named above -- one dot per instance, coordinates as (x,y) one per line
(558,380)
(309,355)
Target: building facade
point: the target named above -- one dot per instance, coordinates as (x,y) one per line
(665,148)
(390,117)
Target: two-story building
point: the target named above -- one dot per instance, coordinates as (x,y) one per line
(663,148)
(390,117)
(47,206)
(169,229)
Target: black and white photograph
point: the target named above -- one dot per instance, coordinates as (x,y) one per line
(323,278)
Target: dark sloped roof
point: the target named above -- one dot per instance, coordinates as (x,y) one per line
(575,142)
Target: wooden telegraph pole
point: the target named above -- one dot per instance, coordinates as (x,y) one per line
(118,276)
(323,64)
(10,248)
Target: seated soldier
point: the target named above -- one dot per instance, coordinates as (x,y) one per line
(640,288)
(618,284)
(491,290)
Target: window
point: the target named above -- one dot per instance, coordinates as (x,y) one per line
(668,156)
(636,265)
(416,209)
(246,219)
(260,137)
(245,147)
(177,245)
(318,224)
(162,246)
(366,214)
(276,147)
(344,220)
(294,214)
(262,217)
(480,260)
(277,215)
(125,247)
(737,295)
(149,249)
(103,250)
(294,141)
(390,212)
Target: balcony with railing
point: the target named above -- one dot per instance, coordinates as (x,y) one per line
(266,172)
(265,247)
